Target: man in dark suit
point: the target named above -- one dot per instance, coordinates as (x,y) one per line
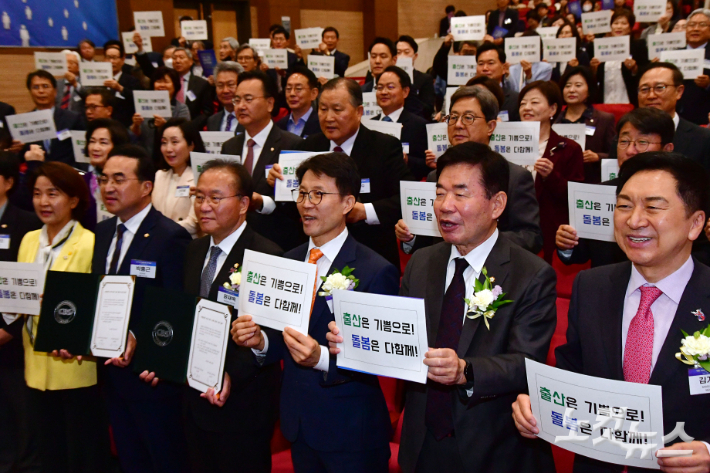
(383,54)
(453,423)
(445,23)
(491,63)
(122,84)
(440,66)
(146,420)
(259,146)
(226,75)
(98,103)
(195,92)
(301,93)
(70,95)
(379,160)
(633,332)
(5,138)
(313,386)
(503,18)
(422,97)
(236,426)
(393,89)
(279,40)
(694,105)
(328,47)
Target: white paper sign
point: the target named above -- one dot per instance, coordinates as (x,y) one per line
(208,348)
(574,131)
(276,58)
(388,128)
(149,23)
(32,126)
(369,104)
(407,65)
(78,142)
(382,335)
(277,292)
(214,140)
(689,61)
(591,210)
(194,30)
(599,412)
(468,28)
(152,102)
(322,66)
(131,47)
(21,285)
(610,169)
(289,162)
(559,49)
(658,43)
(461,69)
(95,73)
(447,98)
(518,142)
(113,311)
(260,44)
(596,22)
(548,32)
(437,137)
(54,63)
(197,160)
(524,48)
(309,37)
(613,48)
(649,11)
(418,207)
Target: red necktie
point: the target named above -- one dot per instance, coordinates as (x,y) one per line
(249,161)
(180,97)
(338,149)
(66,97)
(638,352)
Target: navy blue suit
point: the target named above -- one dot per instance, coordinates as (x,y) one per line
(311,127)
(60,150)
(341,411)
(146,421)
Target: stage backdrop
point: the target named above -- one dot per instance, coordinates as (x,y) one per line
(57,23)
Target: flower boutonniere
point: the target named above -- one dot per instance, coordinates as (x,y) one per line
(485,300)
(342,280)
(695,349)
(235,279)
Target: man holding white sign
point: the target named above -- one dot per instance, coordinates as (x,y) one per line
(313,387)
(695,103)
(633,332)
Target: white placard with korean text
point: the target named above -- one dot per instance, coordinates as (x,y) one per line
(197,160)
(94,74)
(152,102)
(600,414)
(468,28)
(461,69)
(21,285)
(649,11)
(149,23)
(613,48)
(547,32)
(369,104)
(559,49)
(574,131)
(309,37)
(518,142)
(388,128)
(194,30)
(276,58)
(214,140)
(657,43)
(277,292)
(689,61)
(610,169)
(596,22)
(418,207)
(382,335)
(322,66)
(54,63)
(113,311)
(260,44)
(78,142)
(524,48)
(32,126)
(591,210)
(131,47)
(208,348)
(437,137)
(289,162)
(407,65)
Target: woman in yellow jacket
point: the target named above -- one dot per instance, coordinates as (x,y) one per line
(68,413)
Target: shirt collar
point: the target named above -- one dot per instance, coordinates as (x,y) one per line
(476,258)
(347,146)
(332,248)
(672,285)
(185,78)
(394,115)
(260,137)
(117,77)
(305,116)
(676,120)
(133,223)
(702,46)
(228,243)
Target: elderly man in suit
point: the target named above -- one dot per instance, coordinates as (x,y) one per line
(122,84)
(313,386)
(632,333)
(301,92)
(226,76)
(69,91)
(694,105)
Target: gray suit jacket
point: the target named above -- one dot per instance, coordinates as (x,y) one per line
(76,99)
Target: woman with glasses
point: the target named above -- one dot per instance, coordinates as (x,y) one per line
(561,159)
(579,90)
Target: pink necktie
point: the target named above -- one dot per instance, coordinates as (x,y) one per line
(639,341)
(180,97)
(249,161)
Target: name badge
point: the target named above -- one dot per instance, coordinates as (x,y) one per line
(225,296)
(405,148)
(699,380)
(503,115)
(2,124)
(4,242)
(155,64)
(77,98)
(143,269)
(190,95)
(590,130)
(63,135)
(365,186)
(182,191)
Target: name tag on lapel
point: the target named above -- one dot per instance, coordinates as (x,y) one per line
(365,186)
(143,269)
(4,242)
(190,95)
(699,380)
(182,191)
(225,296)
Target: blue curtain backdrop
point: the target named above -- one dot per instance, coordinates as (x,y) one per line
(58,23)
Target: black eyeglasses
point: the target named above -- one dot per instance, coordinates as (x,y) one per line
(314,197)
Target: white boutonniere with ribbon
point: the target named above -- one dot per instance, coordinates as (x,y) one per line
(695,349)
(485,300)
(337,280)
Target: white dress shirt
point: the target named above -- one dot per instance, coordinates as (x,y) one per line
(226,246)
(614,85)
(259,140)
(132,225)
(223,126)
(394,116)
(676,120)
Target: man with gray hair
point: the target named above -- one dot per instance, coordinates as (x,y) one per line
(225,80)
(195,92)
(248,58)
(69,93)
(228,49)
(695,103)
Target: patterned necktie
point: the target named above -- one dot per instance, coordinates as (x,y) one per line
(439,416)
(313,258)
(249,162)
(230,119)
(338,149)
(66,97)
(387,119)
(638,353)
(209,272)
(117,251)
(180,97)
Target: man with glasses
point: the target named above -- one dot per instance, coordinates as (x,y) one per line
(98,104)
(226,74)
(695,103)
(145,419)
(336,420)
(301,93)
(226,430)
(248,58)
(259,146)
(195,92)
(122,84)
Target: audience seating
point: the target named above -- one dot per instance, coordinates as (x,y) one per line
(616,109)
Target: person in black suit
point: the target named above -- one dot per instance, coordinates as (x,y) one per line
(440,65)
(392,91)
(195,92)
(228,429)
(279,40)
(259,146)
(313,386)
(505,18)
(633,332)
(491,63)
(301,93)
(122,85)
(379,160)
(453,423)
(146,420)
(422,97)
(445,23)
(226,75)
(5,138)
(383,54)
(694,105)
(328,47)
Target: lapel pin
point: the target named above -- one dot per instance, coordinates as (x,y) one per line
(66,257)
(4,225)
(699,314)
(146,235)
(272,149)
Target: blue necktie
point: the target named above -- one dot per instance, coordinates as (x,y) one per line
(117,251)
(230,119)
(209,272)
(387,119)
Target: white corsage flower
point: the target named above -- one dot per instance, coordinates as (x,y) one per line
(485,300)
(338,280)
(695,349)
(235,279)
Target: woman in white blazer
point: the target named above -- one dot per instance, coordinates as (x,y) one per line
(171,192)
